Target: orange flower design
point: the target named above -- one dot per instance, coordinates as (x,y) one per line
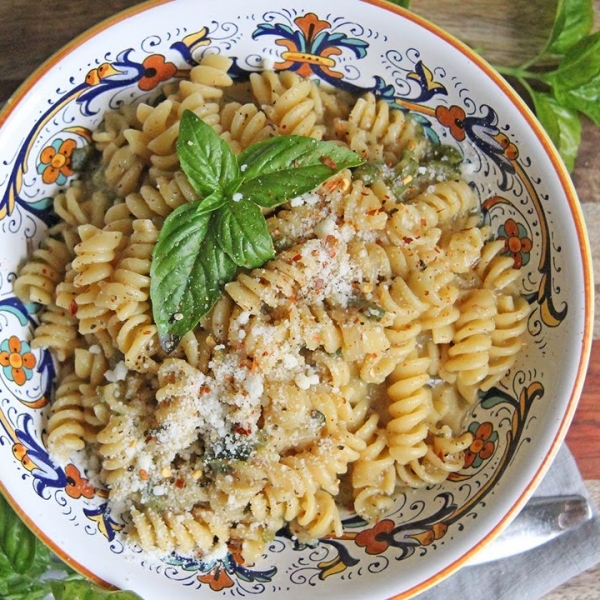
(156,70)
(517,244)
(55,161)
(16,360)
(453,118)
(376,539)
(483,444)
(218,579)
(77,486)
(311,25)
(312,46)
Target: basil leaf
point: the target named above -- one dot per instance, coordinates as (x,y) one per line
(241,231)
(17,542)
(574,20)
(281,168)
(562,125)
(576,81)
(23,587)
(187,272)
(23,559)
(205,158)
(86,590)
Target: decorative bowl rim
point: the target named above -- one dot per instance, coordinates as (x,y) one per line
(13,104)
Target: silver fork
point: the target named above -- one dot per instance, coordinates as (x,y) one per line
(542,519)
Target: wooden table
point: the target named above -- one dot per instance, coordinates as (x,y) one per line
(505,32)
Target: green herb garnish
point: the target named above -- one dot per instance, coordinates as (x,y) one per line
(86,590)
(563,79)
(202,244)
(24,559)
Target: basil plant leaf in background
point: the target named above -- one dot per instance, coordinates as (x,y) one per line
(86,590)
(17,543)
(574,20)
(576,81)
(563,79)
(562,124)
(24,559)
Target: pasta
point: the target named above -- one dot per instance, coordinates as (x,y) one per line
(345,366)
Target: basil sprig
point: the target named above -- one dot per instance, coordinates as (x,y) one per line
(563,79)
(202,244)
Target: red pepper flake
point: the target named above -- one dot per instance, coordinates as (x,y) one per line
(297,257)
(179,484)
(319,283)
(328,162)
(331,243)
(73,308)
(407,240)
(144,476)
(242,430)
(204,390)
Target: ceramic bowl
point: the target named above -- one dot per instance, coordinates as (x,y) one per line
(526,195)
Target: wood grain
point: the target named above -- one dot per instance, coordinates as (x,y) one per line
(503,31)
(583,437)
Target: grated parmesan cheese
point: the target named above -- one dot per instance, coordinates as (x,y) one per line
(119,373)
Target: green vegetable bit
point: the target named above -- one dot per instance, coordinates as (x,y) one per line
(412,175)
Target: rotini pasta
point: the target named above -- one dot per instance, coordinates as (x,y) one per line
(347,365)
